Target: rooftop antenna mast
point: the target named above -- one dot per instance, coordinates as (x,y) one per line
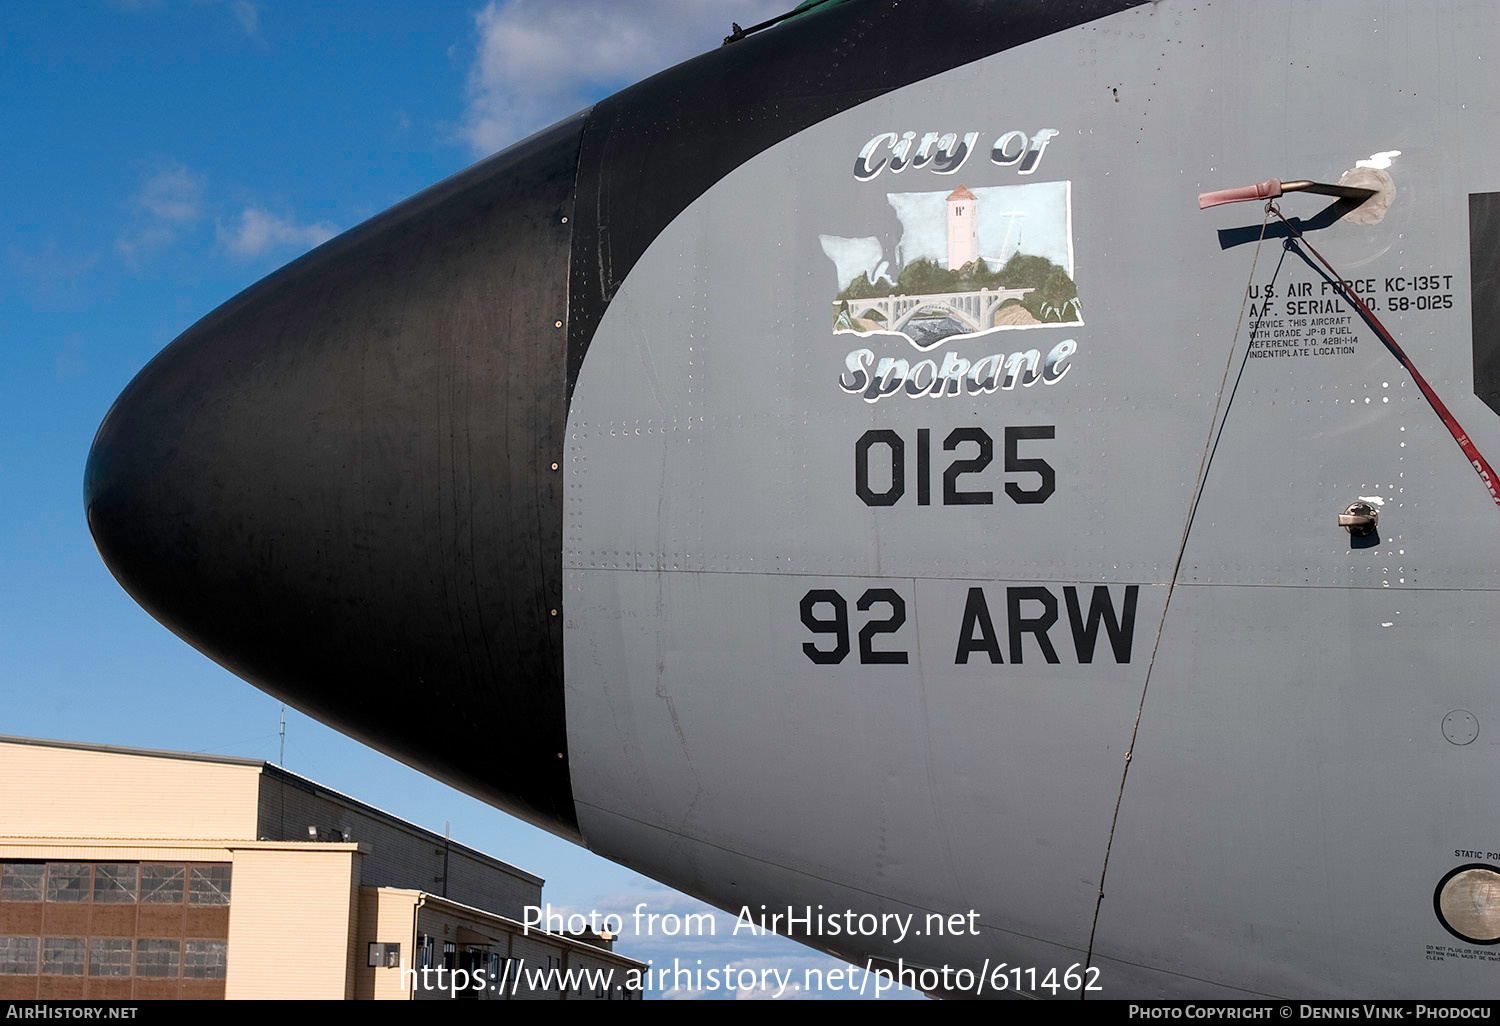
(281,757)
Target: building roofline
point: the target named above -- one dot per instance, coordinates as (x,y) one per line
(365,807)
(155,753)
(270,769)
(229,844)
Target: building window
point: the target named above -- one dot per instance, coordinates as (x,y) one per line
(116,883)
(204,959)
(208,885)
(22,881)
(162,883)
(505,974)
(424,951)
(450,955)
(18,955)
(68,881)
(62,956)
(158,957)
(110,956)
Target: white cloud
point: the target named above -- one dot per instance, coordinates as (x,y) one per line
(260,231)
(798,975)
(51,277)
(173,194)
(772,992)
(247,14)
(541,60)
(169,202)
(70,362)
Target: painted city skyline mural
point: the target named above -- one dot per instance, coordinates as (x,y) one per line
(969,262)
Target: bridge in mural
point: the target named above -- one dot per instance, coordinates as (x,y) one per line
(974,310)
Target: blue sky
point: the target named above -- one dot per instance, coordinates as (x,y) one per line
(159,157)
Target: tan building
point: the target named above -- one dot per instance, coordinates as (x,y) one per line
(133,874)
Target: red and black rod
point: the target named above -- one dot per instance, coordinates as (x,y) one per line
(1471,452)
(1273,187)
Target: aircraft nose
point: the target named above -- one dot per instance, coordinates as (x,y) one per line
(341,484)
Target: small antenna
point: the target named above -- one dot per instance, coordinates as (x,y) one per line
(281,758)
(447,834)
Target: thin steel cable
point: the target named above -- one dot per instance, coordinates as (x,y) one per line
(1210,445)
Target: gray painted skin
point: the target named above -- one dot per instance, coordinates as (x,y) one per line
(1291,800)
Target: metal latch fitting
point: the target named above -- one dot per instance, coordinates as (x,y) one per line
(1360,519)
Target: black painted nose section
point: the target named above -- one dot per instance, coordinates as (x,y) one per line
(340,484)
